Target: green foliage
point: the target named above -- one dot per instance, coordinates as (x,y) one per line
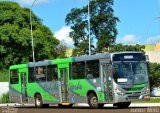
(15,36)
(152,100)
(60,50)
(78,52)
(5,98)
(121,47)
(103,25)
(4,76)
(154,69)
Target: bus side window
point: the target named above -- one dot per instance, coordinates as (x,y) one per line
(52,73)
(14,79)
(78,70)
(92,69)
(31,75)
(41,74)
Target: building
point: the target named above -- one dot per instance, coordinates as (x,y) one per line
(153,56)
(157,47)
(153,52)
(149,47)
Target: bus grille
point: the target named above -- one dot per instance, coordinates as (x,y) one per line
(133,97)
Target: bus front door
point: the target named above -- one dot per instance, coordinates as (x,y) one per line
(107,76)
(64,85)
(23,88)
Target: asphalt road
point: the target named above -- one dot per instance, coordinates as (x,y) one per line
(54,109)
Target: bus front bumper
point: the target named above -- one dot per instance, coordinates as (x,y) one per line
(129,98)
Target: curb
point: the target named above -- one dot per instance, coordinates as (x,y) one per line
(132,105)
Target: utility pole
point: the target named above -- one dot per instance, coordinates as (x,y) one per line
(31,30)
(89,35)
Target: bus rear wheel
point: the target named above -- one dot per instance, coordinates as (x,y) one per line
(38,101)
(92,101)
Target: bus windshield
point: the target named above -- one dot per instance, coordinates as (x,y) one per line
(130,72)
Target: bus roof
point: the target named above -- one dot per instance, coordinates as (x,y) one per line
(18,66)
(123,52)
(60,61)
(92,57)
(39,63)
(69,60)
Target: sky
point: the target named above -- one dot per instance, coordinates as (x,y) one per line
(139,19)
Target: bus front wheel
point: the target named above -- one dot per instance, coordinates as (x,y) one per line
(38,101)
(92,101)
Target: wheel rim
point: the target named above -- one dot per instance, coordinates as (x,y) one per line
(94,101)
(38,101)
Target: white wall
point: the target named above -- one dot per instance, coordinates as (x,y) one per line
(4,87)
(154,56)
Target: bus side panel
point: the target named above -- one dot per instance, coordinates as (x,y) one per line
(77,91)
(79,88)
(14,93)
(47,90)
(51,92)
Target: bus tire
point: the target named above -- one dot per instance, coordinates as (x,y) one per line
(38,101)
(92,101)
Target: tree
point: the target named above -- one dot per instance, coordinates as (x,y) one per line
(121,47)
(60,50)
(103,25)
(154,71)
(15,38)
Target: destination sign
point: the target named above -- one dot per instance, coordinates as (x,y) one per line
(129,57)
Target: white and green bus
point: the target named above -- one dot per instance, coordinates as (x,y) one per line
(116,78)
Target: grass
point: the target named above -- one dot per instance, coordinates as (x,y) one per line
(4,76)
(152,100)
(4,98)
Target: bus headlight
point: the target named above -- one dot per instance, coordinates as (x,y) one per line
(118,91)
(146,90)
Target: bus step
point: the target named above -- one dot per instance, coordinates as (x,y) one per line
(65,103)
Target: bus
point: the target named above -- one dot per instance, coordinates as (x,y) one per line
(114,78)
